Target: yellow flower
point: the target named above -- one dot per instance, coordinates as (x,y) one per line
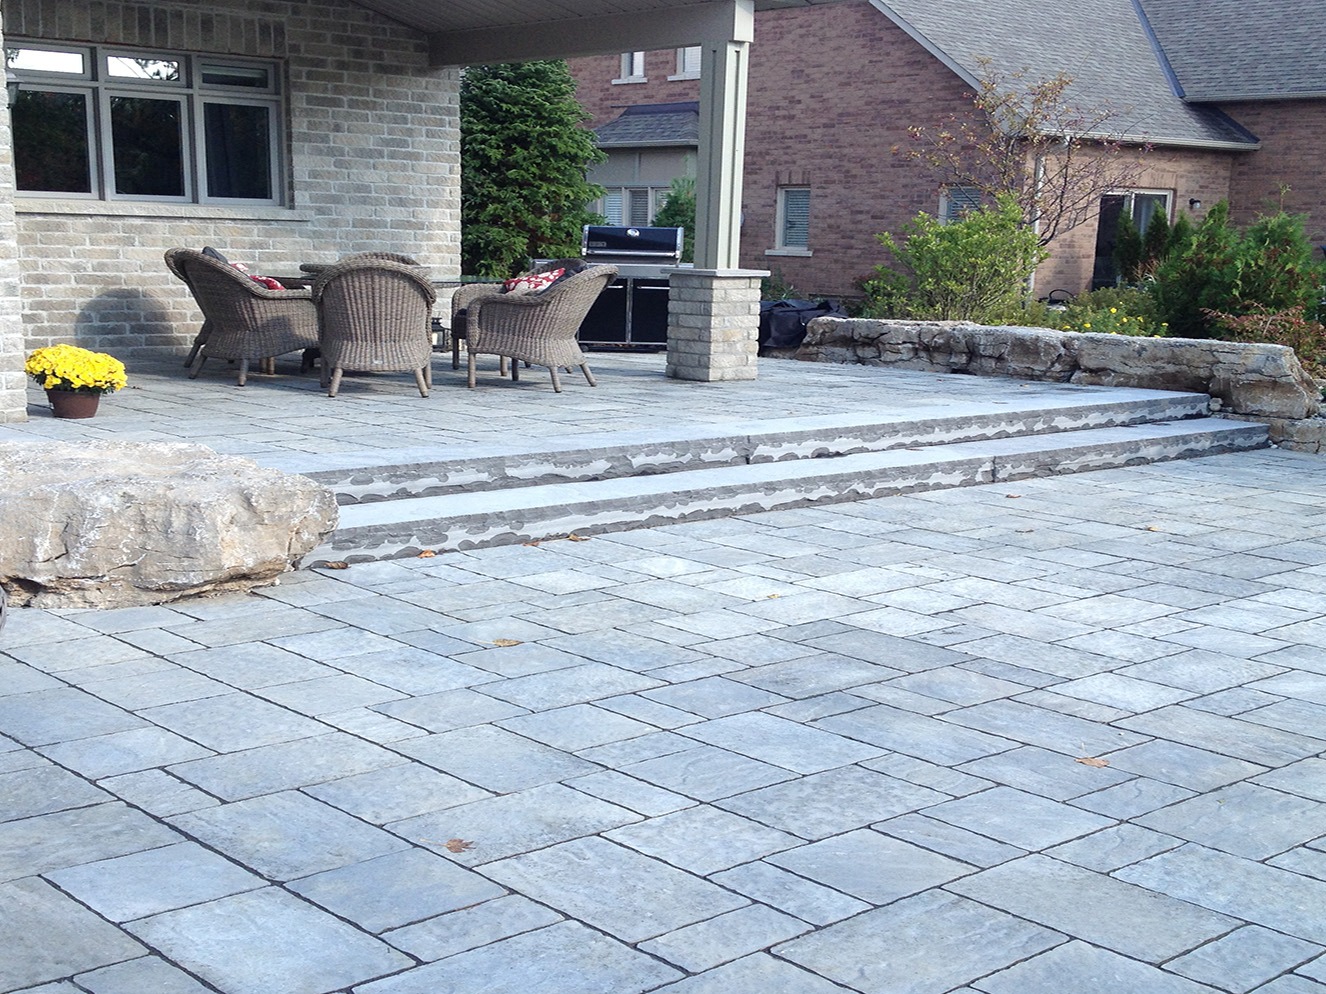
(1114,310)
(68,367)
(1087,325)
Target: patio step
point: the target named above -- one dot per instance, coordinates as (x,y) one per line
(358,478)
(473,518)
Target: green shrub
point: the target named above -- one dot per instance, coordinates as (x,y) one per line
(1305,336)
(1128,249)
(678,211)
(974,269)
(1269,268)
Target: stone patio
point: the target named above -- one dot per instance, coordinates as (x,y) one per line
(830,749)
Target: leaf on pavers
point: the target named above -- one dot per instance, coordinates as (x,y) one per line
(533,544)
(458,845)
(573,537)
(505,643)
(1025,531)
(1153,528)
(772,597)
(426,554)
(1012,496)
(334,564)
(1093,761)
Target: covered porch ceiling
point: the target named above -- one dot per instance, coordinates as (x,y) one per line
(470,32)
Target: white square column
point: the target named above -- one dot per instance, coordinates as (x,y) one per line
(13,383)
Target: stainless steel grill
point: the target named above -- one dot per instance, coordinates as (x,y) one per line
(633,310)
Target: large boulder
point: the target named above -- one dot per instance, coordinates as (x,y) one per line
(113,524)
(1259,380)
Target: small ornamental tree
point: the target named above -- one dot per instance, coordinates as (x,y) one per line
(678,211)
(525,154)
(1027,138)
(974,269)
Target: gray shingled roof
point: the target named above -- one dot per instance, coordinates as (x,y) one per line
(1101,44)
(1243,49)
(652,125)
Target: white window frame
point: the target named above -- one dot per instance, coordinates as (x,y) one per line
(688,62)
(955,201)
(782,246)
(632,68)
(193,96)
(618,201)
(1130,201)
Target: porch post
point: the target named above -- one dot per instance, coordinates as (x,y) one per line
(13,391)
(713,309)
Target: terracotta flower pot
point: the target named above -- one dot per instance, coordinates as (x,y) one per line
(73,404)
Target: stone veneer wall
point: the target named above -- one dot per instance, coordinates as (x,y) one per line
(12,386)
(713,324)
(1261,382)
(372,146)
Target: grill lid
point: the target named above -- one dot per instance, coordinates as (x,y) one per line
(608,242)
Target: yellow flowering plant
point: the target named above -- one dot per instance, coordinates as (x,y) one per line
(67,367)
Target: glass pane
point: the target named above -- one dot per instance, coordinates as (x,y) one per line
(1146,206)
(124,67)
(796,218)
(51,153)
(37,60)
(146,139)
(612,207)
(238,149)
(253,77)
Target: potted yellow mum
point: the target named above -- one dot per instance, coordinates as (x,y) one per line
(74,378)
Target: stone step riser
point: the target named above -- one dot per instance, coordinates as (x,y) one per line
(639,453)
(467,521)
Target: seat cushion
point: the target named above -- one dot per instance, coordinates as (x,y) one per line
(531,282)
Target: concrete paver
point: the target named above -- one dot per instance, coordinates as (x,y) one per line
(819,751)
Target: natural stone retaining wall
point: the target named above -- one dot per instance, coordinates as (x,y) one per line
(113,524)
(1262,381)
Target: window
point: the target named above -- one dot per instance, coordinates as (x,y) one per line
(634,205)
(112,124)
(955,201)
(793,217)
(632,69)
(688,63)
(1141,206)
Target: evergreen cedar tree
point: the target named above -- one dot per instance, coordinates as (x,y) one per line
(525,153)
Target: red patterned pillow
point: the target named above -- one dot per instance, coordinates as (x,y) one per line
(531,282)
(267,281)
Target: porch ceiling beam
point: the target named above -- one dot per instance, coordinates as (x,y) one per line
(675,27)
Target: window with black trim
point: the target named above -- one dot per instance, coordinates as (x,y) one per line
(125,124)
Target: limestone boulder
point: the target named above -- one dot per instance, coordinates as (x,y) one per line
(1260,380)
(112,524)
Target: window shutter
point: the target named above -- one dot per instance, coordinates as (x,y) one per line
(796,218)
(957,201)
(639,212)
(612,207)
(688,62)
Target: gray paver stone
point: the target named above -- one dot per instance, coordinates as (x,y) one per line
(1084,969)
(703,839)
(1244,959)
(927,944)
(1128,919)
(268,942)
(874,867)
(46,936)
(1018,818)
(613,888)
(710,943)
(1243,819)
(471,927)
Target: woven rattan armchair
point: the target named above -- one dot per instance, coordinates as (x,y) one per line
(538,328)
(317,268)
(242,320)
(374,315)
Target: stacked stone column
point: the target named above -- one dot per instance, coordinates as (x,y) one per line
(713,324)
(13,391)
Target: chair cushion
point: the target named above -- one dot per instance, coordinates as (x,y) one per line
(267,281)
(531,282)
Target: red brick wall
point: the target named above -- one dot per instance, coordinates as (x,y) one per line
(604,100)
(832,89)
(1291,133)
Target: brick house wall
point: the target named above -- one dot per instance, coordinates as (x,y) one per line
(1291,133)
(373,163)
(832,90)
(603,99)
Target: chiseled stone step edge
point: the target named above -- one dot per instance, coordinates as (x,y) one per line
(467,521)
(422,473)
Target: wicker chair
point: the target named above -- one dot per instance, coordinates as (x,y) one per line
(242,320)
(317,268)
(538,328)
(374,315)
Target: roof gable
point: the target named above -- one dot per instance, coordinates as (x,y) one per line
(1225,50)
(1102,45)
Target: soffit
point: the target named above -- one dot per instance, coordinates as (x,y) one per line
(435,16)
